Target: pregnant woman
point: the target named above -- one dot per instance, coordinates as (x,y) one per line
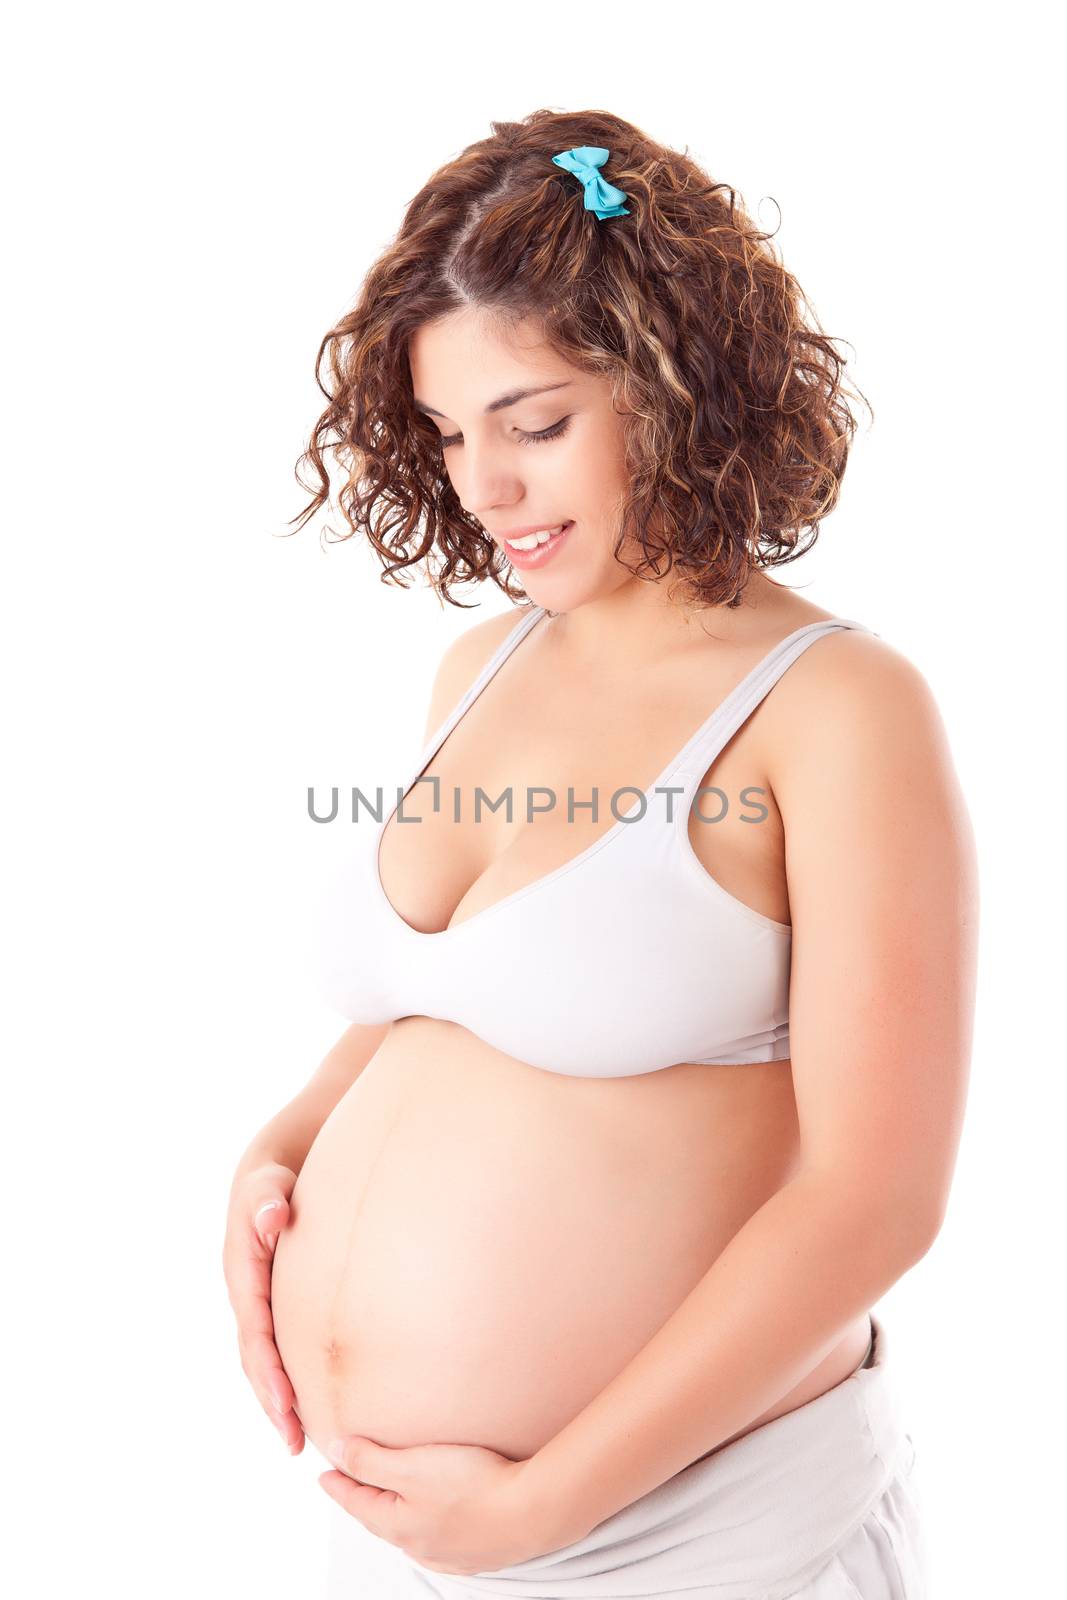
(660,980)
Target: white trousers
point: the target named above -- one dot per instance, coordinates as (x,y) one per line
(819,1504)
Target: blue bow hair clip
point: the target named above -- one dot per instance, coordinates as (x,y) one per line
(601,197)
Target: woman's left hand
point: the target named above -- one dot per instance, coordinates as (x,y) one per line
(453,1508)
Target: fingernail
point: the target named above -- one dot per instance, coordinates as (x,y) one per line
(280,1402)
(271,1205)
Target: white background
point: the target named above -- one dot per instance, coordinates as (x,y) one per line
(192,197)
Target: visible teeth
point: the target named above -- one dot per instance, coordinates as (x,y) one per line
(532,540)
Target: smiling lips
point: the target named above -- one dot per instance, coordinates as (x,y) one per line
(530,541)
(533,546)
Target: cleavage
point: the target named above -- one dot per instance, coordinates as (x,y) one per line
(470,865)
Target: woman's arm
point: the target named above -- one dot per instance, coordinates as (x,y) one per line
(287,1137)
(883,897)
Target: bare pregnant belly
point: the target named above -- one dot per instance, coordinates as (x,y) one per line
(477,1246)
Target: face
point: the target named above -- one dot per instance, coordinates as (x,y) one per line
(522,461)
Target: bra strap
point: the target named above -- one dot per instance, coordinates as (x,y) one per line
(751,691)
(492,666)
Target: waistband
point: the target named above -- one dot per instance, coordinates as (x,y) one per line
(754,1520)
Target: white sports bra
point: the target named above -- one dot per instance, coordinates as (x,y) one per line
(642,959)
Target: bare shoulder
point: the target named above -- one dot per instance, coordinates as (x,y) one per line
(464,659)
(861,768)
(857,703)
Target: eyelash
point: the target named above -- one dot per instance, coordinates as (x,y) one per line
(557,431)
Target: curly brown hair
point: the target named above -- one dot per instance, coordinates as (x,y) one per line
(736,422)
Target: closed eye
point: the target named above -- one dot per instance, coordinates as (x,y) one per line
(557,430)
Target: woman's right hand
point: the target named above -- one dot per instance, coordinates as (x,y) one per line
(259,1210)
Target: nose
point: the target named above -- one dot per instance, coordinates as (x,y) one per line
(486,481)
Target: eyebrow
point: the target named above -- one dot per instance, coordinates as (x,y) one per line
(501,403)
